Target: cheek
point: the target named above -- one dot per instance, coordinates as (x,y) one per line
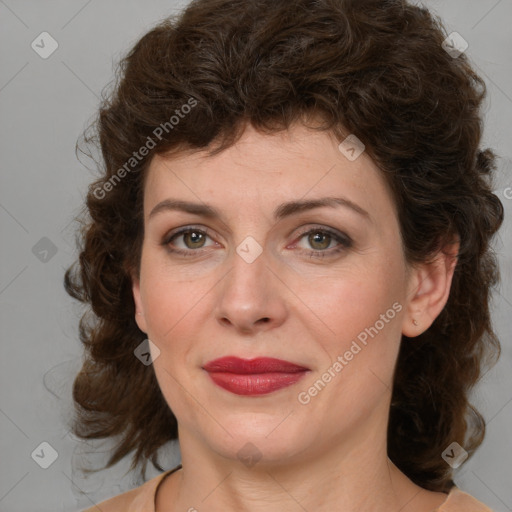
(363,312)
(363,316)
(169,298)
(356,300)
(170,308)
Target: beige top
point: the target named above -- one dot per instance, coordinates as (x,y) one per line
(142,499)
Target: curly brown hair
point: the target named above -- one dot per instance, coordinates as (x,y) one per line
(376,69)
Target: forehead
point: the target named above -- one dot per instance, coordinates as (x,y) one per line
(264,170)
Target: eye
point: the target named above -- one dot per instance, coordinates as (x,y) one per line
(191,238)
(324,242)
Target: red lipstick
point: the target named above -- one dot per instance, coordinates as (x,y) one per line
(253,376)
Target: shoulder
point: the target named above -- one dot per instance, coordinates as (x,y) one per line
(116,503)
(459,501)
(141,498)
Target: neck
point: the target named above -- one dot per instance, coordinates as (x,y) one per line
(353,477)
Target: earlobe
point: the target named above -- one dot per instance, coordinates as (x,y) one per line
(429,291)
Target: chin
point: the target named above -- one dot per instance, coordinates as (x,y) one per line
(268,441)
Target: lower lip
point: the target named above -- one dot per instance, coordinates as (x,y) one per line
(254,384)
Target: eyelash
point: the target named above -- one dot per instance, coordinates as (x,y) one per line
(344,241)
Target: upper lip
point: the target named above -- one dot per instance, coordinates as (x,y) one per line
(232,364)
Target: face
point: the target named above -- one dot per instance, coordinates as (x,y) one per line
(324,288)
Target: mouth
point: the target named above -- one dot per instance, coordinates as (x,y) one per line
(258,376)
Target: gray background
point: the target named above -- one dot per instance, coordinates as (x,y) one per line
(44,106)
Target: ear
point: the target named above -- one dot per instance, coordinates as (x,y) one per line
(139,310)
(429,289)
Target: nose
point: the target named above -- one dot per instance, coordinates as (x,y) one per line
(251,297)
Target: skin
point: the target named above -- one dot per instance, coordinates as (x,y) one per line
(288,304)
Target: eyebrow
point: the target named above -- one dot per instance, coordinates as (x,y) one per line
(282,211)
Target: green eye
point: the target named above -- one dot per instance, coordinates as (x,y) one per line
(192,238)
(320,240)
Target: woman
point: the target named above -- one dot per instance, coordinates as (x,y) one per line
(288,261)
